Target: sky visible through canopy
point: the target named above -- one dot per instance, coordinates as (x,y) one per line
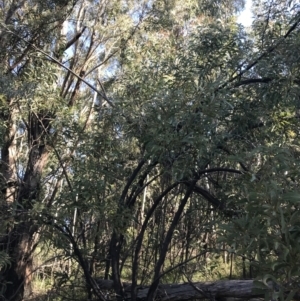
(245,17)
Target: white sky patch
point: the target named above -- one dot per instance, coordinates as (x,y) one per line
(245,18)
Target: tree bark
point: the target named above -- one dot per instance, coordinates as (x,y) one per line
(19,239)
(214,290)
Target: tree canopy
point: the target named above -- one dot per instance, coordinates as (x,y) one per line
(148,143)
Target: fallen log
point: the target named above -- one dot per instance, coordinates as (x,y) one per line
(213,290)
(204,290)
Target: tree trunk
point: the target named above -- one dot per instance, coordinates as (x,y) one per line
(18,242)
(217,290)
(18,275)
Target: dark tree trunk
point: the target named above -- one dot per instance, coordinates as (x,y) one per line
(115,249)
(18,275)
(153,288)
(18,242)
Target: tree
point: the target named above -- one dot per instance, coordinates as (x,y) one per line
(40,94)
(136,137)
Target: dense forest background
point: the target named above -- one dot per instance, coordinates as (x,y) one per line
(147,143)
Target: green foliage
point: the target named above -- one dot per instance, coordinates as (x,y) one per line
(4,260)
(185,94)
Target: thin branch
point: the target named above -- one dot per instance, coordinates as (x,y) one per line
(130,180)
(33,271)
(61,65)
(219,169)
(268,51)
(65,230)
(75,38)
(57,155)
(197,288)
(102,63)
(164,248)
(263,81)
(183,263)
(228,152)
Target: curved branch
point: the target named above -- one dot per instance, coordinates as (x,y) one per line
(264,80)
(65,231)
(209,197)
(130,180)
(165,245)
(268,51)
(75,38)
(217,169)
(61,65)
(140,237)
